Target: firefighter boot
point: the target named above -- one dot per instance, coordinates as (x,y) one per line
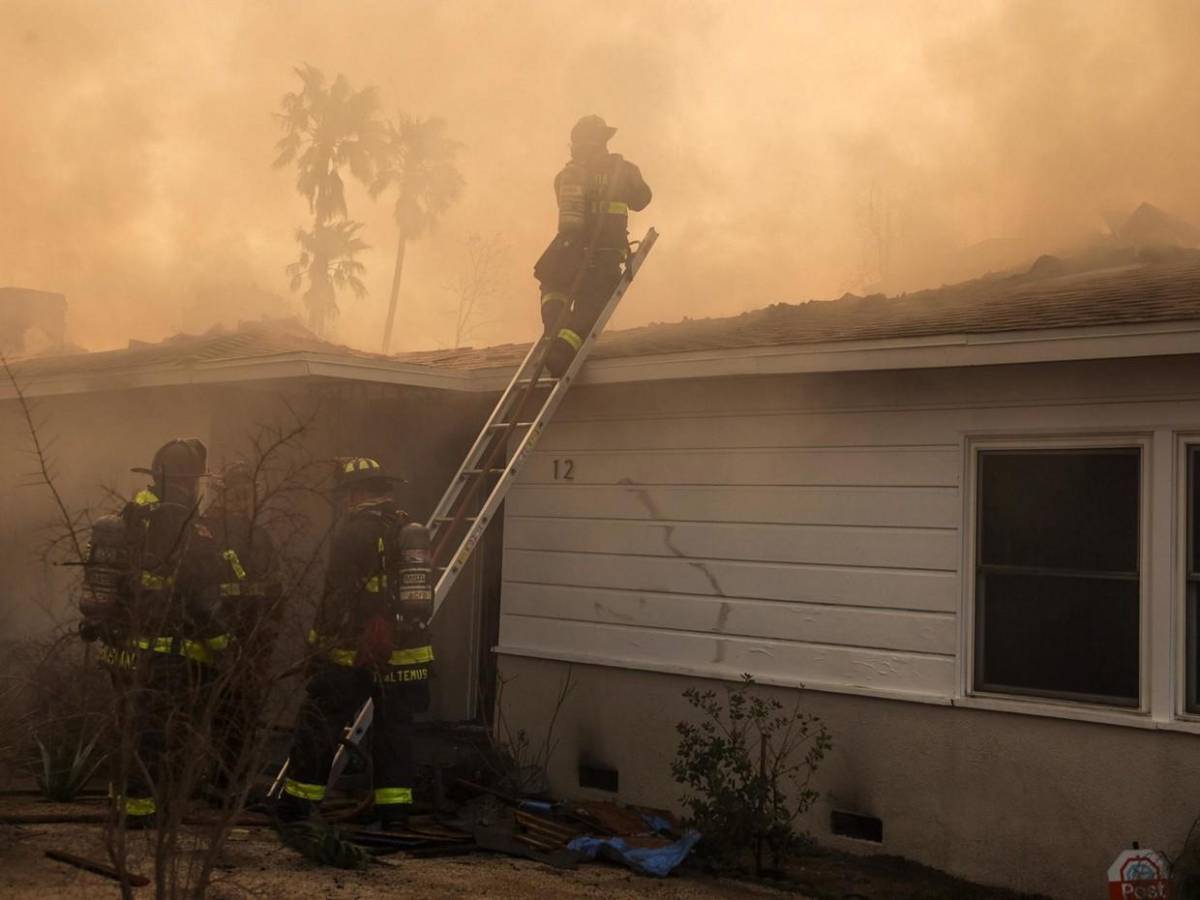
(554,303)
(292,809)
(393,817)
(140,823)
(561,351)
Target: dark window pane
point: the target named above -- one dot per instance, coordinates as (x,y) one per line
(1059,635)
(1193,675)
(1060,509)
(1193,619)
(1194,504)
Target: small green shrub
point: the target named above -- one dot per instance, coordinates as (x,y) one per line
(746,765)
(67,764)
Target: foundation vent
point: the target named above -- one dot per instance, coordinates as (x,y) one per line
(852,825)
(598,778)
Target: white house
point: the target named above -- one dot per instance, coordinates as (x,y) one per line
(962,519)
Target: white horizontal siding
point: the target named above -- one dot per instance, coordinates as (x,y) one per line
(844,666)
(819,546)
(779,504)
(801,528)
(930,632)
(848,429)
(842,545)
(914,467)
(846,585)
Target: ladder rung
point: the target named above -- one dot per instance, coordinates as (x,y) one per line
(486,451)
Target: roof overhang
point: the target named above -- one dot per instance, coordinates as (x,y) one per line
(242,371)
(939,351)
(935,352)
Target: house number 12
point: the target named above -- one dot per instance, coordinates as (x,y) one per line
(564,470)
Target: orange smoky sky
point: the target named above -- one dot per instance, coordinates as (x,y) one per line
(795,149)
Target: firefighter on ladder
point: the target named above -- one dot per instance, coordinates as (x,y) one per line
(151,599)
(368,642)
(582,265)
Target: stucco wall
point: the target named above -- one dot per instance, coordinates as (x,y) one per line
(1035,804)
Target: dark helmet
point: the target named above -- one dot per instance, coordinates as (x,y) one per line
(362,471)
(591,130)
(178,458)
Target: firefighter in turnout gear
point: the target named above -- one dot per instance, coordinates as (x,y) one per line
(250,603)
(367,642)
(151,598)
(583,264)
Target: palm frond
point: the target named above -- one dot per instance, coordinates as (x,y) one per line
(327,126)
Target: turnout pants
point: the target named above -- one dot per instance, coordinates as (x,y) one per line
(334,695)
(557,271)
(162,700)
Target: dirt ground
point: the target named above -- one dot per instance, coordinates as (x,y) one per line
(255,865)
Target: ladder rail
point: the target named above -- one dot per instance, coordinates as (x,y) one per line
(479,447)
(462,553)
(354,732)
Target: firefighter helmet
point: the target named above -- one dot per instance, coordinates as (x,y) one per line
(361,471)
(591,130)
(178,458)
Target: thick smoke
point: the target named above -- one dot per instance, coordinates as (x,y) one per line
(796,150)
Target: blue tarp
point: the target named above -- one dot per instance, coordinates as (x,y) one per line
(647,860)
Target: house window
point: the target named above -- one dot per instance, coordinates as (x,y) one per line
(1057,585)
(1193,581)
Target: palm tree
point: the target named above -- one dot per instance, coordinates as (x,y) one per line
(420,161)
(327,127)
(327,261)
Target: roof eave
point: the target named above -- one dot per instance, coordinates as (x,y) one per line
(933,352)
(251,369)
(937,351)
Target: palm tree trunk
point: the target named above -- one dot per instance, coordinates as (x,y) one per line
(391,316)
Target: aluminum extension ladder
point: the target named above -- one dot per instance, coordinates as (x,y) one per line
(451,528)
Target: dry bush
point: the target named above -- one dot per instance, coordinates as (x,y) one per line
(520,763)
(52,691)
(212,728)
(57,714)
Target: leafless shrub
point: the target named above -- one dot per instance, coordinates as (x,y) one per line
(203,721)
(211,728)
(520,763)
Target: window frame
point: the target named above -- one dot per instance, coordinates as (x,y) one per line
(1102,705)
(1188,451)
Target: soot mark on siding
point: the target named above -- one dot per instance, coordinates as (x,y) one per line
(601,610)
(669,538)
(722,617)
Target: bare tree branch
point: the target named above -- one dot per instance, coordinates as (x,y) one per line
(40,453)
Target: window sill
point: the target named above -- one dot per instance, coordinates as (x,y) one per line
(1078,712)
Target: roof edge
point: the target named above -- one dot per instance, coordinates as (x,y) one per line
(934,352)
